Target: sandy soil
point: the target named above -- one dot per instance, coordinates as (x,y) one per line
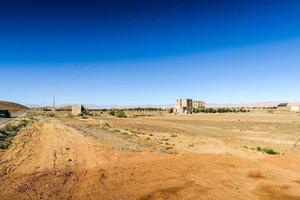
(218,133)
(51,159)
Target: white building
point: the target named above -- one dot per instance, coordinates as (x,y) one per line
(294,107)
(199,104)
(184,106)
(77,110)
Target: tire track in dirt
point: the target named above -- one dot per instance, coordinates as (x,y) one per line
(77,155)
(50,160)
(56,149)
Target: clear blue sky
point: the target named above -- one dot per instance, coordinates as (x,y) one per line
(149,52)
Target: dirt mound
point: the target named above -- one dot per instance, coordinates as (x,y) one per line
(5,105)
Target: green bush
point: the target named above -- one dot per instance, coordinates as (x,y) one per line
(258,148)
(112,112)
(270,151)
(219,110)
(267,150)
(120,114)
(4,144)
(10,130)
(117,113)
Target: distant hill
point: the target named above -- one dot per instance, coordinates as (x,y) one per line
(34,105)
(11,106)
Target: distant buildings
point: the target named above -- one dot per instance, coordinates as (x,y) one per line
(199,104)
(188,106)
(293,107)
(77,110)
(184,106)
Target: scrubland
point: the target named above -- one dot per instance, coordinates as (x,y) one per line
(154,155)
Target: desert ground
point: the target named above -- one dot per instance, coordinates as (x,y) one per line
(154,155)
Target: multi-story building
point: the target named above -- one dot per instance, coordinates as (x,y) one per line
(184,106)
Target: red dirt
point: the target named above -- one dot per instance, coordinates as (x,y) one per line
(49,160)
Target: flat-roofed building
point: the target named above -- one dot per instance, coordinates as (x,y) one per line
(199,104)
(184,106)
(77,110)
(292,107)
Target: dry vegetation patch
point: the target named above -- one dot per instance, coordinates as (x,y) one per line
(11,129)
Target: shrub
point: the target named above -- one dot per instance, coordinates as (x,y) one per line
(258,149)
(120,114)
(9,131)
(211,110)
(267,150)
(219,110)
(4,144)
(111,112)
(270,151)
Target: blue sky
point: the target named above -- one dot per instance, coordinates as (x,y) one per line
(149,52)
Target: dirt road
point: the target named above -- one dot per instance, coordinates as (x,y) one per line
(4,121)
(50,160)
(15,115)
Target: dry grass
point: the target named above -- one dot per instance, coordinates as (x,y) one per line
(227,133)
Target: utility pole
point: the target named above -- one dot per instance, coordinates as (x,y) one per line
(53,106)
